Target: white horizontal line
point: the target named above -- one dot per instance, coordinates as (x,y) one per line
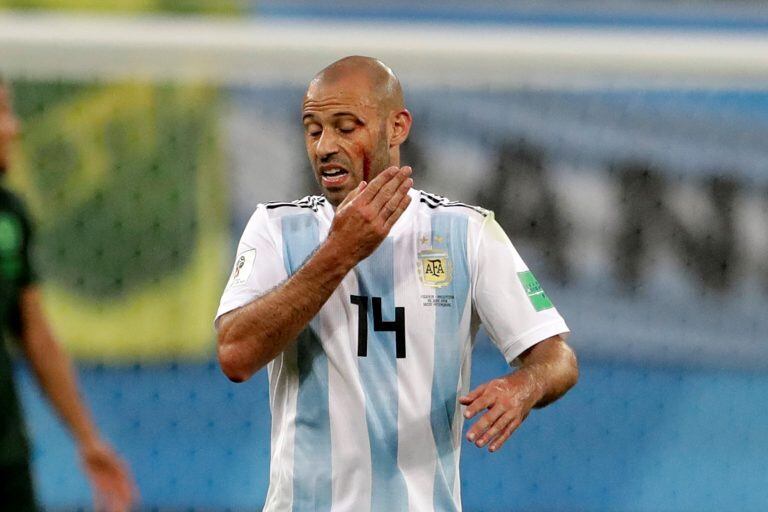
(258,51)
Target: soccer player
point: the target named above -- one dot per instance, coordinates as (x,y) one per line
(21,313)
(363,303)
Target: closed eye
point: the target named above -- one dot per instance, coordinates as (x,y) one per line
(313,129)
(347,125)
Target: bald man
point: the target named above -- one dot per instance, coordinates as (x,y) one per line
(363,304)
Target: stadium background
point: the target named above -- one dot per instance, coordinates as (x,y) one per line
(621,144)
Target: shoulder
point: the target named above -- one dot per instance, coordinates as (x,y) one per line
(265,212)
(267,217)
(433,203)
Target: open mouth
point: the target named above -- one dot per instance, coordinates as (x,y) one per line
(334,177)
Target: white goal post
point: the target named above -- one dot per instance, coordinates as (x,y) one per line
(253,51)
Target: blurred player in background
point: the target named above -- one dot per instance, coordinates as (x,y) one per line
(22,316)
(364,303)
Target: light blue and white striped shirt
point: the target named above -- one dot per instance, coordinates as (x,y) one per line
(364,405)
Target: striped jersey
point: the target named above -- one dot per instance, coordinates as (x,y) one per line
(365,413)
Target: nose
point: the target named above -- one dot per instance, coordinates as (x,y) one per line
(327,145)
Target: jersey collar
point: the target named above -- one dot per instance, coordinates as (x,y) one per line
(406,219)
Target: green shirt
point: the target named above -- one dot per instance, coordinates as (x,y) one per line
(15,274)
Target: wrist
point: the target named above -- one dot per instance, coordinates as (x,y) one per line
(338,258)
(532,383)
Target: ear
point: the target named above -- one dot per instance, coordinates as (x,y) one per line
(400,124)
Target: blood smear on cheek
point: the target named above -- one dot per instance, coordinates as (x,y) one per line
(366,162)
(366,167)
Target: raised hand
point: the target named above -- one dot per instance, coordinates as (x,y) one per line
(365,217)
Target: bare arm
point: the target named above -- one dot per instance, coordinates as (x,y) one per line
(551,369)
(56,376)
(253,335)
(547,371)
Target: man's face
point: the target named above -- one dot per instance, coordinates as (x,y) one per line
(9,128)
(345,134)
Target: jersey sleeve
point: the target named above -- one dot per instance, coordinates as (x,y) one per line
(511,305)
(258,265)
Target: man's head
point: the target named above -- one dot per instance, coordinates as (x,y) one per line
(354,123)
(9,126)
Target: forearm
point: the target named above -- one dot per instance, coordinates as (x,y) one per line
(56,375)
(54,371)
(253,335)
(549,369)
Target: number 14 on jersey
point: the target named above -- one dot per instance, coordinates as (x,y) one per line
(379,325)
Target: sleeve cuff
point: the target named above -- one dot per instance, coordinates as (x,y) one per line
(231,305)
(530,338)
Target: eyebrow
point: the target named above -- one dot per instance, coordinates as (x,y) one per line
(342,114)
(310,115)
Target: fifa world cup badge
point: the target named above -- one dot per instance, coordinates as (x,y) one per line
(243,268)
(435,268)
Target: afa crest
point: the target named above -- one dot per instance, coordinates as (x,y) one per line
(435,268)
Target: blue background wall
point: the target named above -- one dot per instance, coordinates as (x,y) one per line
(627,438)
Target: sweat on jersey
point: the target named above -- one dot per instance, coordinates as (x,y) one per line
(364,405)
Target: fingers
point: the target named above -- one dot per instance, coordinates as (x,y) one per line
(355,193)
(372,189)
(503,417)
(497,427)
(507,408)
(390,188)
(506,432)
(481,426)
(398,204)
(367,214)
(391,205)
(472,395)
(484,401)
